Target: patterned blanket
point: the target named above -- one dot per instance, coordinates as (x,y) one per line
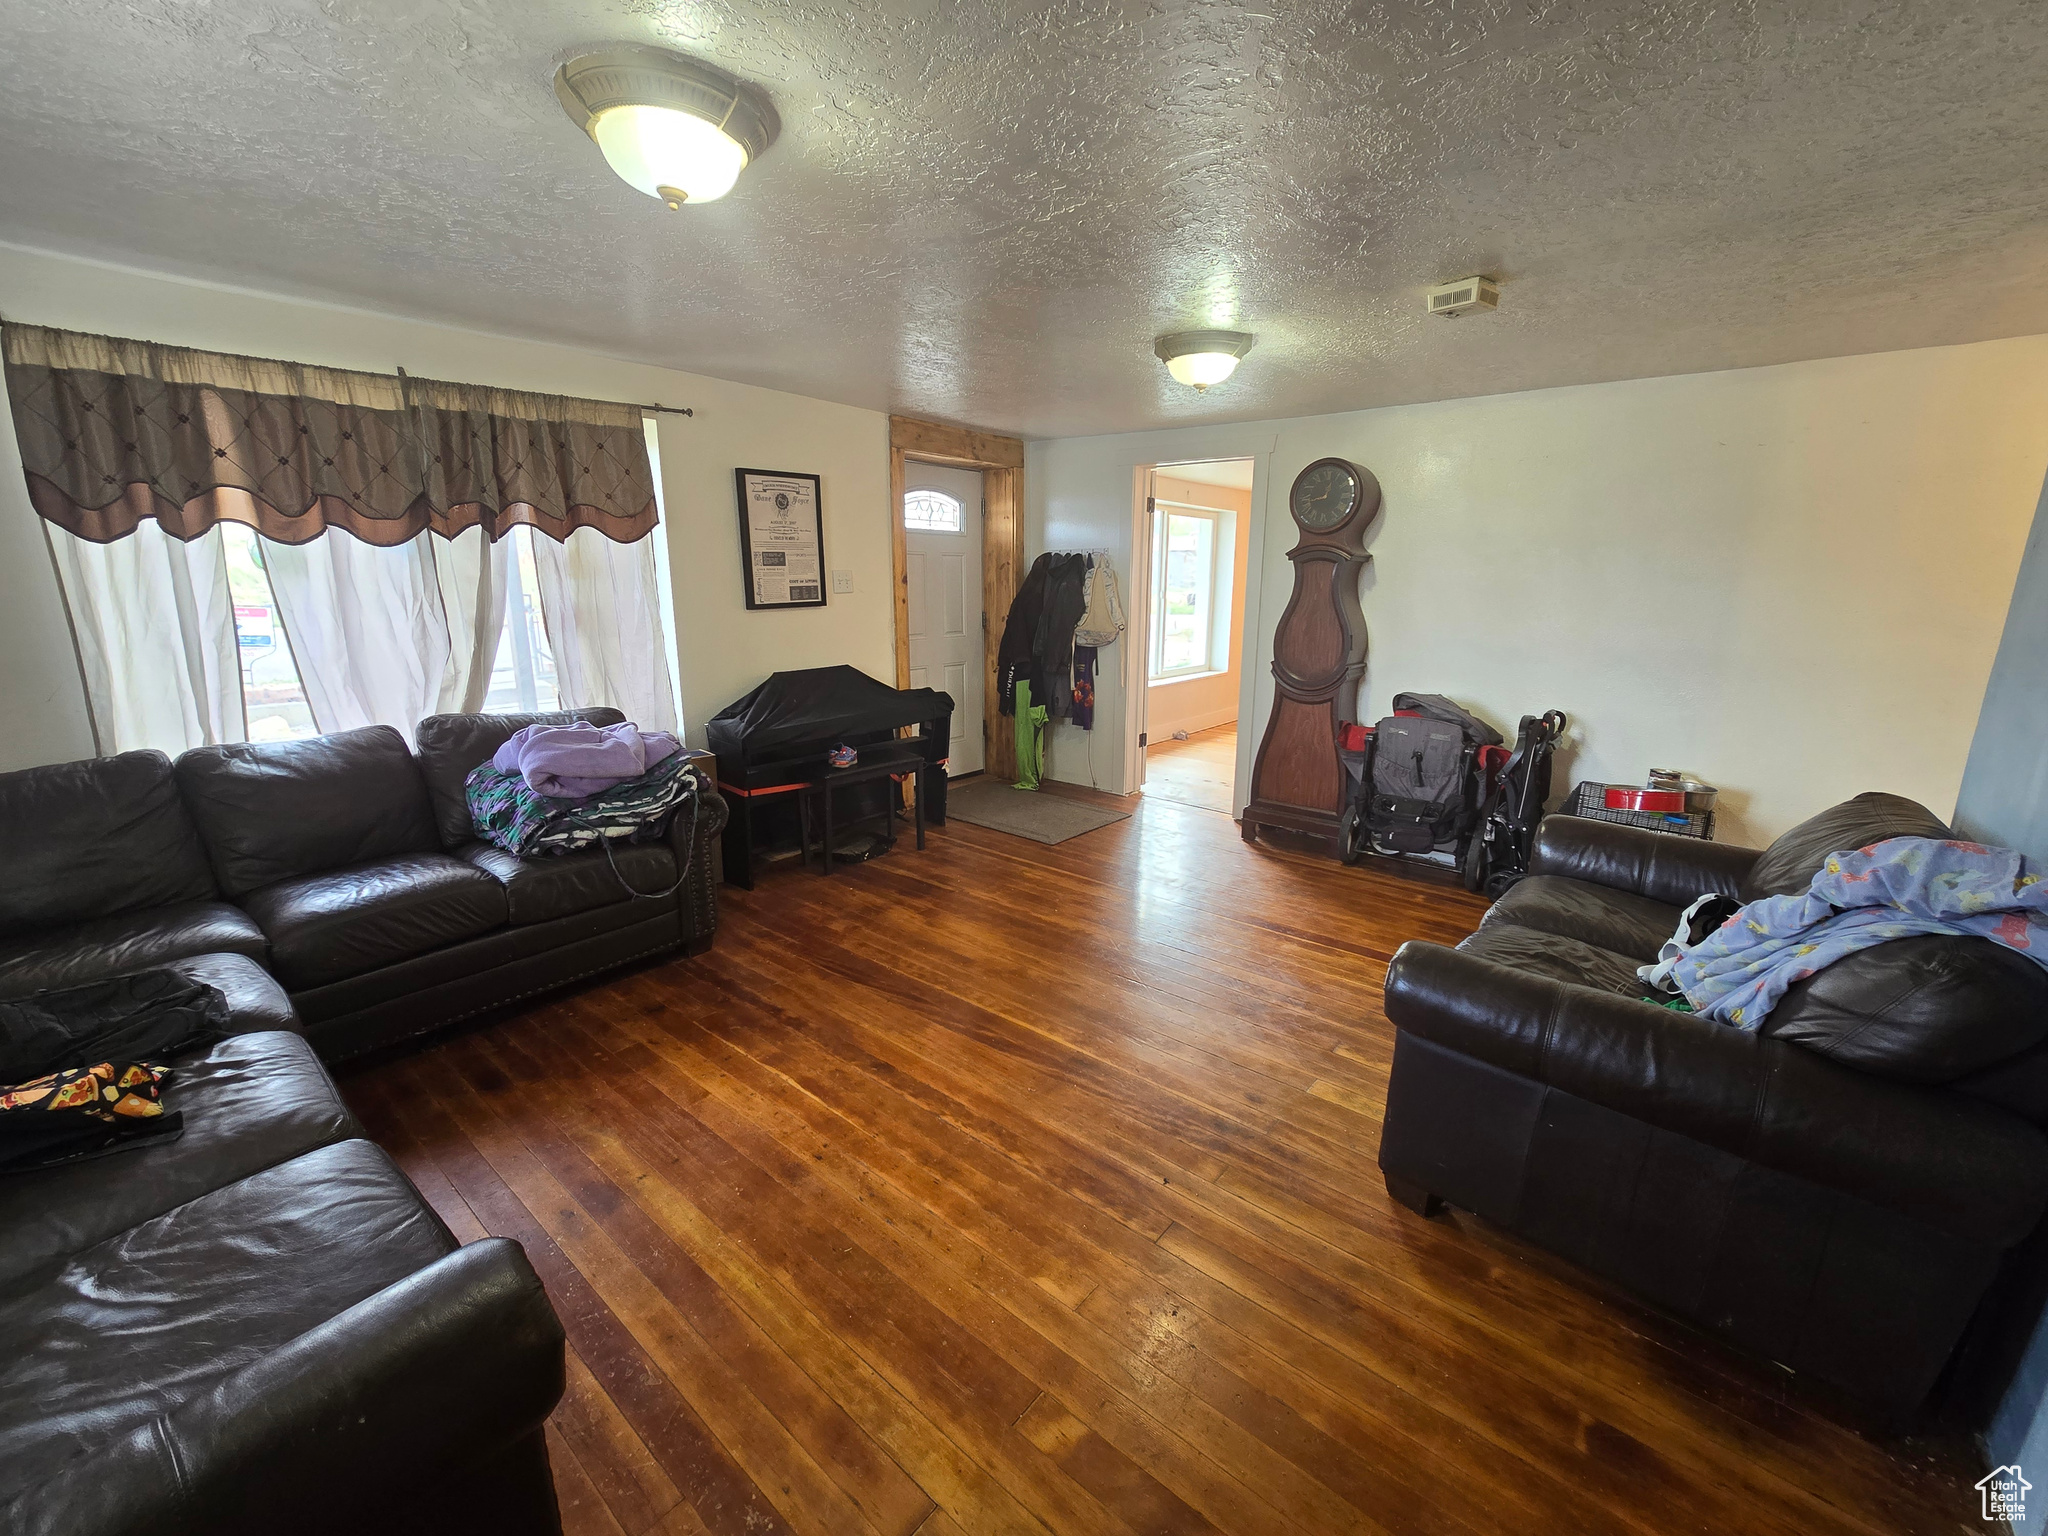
(508,812)
(1891,890)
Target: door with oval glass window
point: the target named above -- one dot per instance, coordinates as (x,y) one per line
(948,636)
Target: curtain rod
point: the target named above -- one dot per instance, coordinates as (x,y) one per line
(666,410)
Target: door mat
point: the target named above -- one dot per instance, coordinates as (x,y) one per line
(1025,813)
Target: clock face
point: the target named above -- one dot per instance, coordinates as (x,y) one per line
(1324,496)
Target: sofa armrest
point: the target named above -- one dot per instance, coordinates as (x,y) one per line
(694,847)
(712,816)
(1959,1165)
(1659,865)
(428,1376)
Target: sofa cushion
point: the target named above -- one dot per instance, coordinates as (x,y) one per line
(1920,1010)
(1619,921)
(271,811)
(347,921)
(249,1102)
(132,941)
(2019,1084)
(255,1001)
(144,1320)
(1788,866)
(565,884)
(95,838)
(452,745)
(1559,958)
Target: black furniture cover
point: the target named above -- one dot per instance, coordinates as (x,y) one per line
(796,714)
(776,738)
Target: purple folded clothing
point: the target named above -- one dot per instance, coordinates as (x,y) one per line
(574,762)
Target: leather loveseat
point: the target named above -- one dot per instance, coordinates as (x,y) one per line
(1835,1193)
(343,865)
(260,1326)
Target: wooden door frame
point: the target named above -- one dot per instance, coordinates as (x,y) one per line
(1001,462)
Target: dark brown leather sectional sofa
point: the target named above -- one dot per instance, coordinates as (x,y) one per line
(1837,1193)
(343,865)
(260,1326)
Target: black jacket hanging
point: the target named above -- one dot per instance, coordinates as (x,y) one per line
(1020,632)
(1038,636)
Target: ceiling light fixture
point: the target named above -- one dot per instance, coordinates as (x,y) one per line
(1201,358)
(670,126)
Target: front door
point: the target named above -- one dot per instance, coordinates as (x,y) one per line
(942,557)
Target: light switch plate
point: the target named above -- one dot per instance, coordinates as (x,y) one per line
(842,581)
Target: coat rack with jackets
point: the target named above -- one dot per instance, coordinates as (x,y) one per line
(1065,611)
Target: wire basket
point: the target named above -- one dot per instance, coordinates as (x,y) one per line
(1589,800)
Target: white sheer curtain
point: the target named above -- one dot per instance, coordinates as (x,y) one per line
(155,628)
(474,575)
(389,636)
(602,604)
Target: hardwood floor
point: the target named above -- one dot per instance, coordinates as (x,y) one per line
(1011,1188)
(1199,771)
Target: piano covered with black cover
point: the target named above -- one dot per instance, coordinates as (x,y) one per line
(774,740)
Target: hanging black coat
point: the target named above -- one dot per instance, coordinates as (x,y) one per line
(1038,636)
(1020,633)
(1066,599)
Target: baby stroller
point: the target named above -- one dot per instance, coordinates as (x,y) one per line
(1499,855)
(1420,780)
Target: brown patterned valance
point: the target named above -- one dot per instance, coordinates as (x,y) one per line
(115,431)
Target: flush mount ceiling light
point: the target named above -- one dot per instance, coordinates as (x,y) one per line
(670,126)
(1201,358)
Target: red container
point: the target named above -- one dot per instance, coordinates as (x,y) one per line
(1620,797)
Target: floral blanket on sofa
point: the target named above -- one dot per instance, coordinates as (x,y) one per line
(1891,890)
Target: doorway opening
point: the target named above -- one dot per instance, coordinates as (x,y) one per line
(1198,534)
(957,497)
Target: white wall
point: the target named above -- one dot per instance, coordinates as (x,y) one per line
(1787,580)
(1209,700)
(725,649)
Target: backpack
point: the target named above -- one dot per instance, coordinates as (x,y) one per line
(1424,789)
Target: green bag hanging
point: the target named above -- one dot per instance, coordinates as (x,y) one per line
(1030,738)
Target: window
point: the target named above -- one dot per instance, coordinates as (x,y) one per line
(1183,590)
(523,672)
(273,698)
(932,512)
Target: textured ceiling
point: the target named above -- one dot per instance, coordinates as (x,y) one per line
(985,211)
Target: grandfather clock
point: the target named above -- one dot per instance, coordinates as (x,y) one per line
(1318,654)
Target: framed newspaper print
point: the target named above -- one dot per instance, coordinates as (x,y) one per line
(782,538)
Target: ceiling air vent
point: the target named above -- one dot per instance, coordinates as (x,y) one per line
(1464,296)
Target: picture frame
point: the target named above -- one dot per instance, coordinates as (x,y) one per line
(782,538)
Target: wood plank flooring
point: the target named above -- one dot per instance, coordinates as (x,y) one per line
(1199,771)
(1009,1189)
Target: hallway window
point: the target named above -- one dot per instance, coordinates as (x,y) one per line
(1183,591)
(932,512)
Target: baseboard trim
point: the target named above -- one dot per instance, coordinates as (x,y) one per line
(1208,720)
